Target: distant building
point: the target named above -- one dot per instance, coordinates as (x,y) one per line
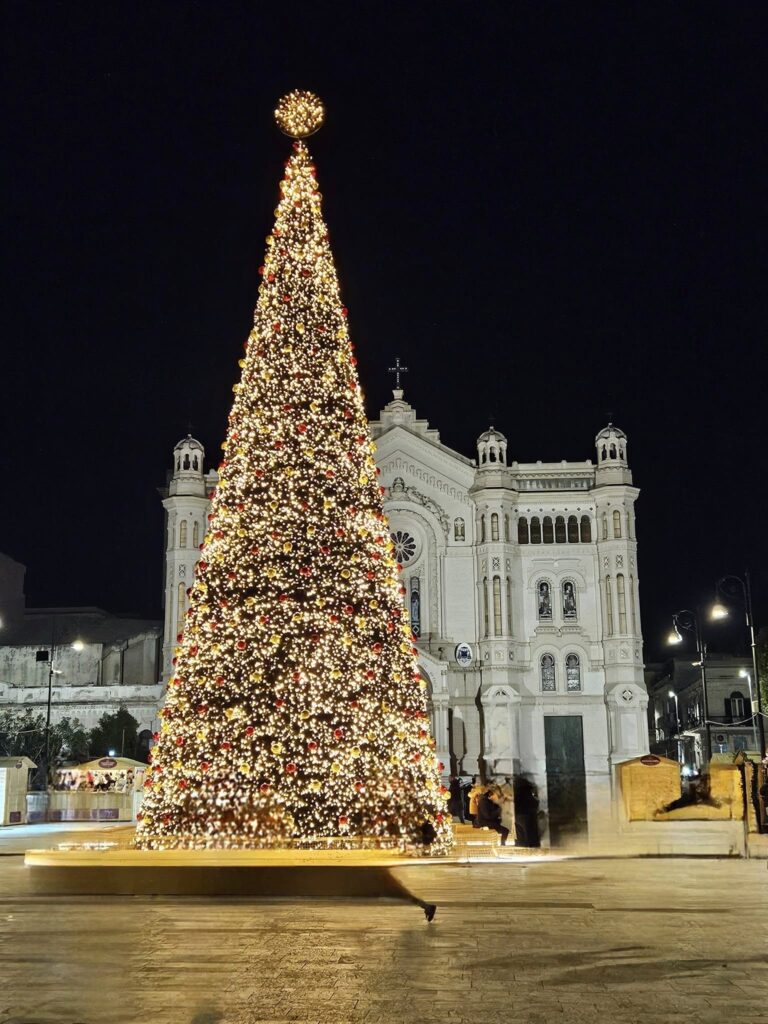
(116,663)
(676,709)
(532,566)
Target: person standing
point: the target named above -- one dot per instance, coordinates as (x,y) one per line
(455,799)
(475,792)
(526,812)
(507,803)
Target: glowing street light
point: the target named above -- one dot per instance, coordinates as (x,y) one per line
(690,622)
(78,646)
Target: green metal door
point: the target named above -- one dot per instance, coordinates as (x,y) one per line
(566,779)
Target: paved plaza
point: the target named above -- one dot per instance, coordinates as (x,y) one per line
(610,940)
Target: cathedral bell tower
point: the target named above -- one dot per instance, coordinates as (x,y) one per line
(186,504)
(615,498)
(612,464)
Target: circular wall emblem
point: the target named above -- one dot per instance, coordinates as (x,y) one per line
(463,655)
(405,546)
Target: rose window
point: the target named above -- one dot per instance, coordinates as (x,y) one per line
(405,546)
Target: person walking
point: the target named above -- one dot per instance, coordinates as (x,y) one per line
(489,814)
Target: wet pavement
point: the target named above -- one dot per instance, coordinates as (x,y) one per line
(621,941)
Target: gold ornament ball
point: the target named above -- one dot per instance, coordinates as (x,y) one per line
(299,114)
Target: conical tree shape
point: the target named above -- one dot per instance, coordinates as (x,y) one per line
(296,710)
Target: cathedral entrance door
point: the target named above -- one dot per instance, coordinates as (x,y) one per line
(566,780)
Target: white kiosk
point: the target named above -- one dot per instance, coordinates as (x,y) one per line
(14,779)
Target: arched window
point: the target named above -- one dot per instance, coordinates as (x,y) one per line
(736,706)
(506,527)
(482,529)
(522,530)
(492,455)
(622,599)
(195,463)
(485,606)
(573,530)
(181,608)
(178,463)
(616,524)
(572,673)
(629,525)
(494,526)
(613,451)
(603,453)
(496,606)
(183,533)
(632,615)
(609,605)
(586,530)
(560,530)
(549,533)
(458,529)
(548,683)
(621,453)
(186,461)
(605,526)
(569,601)
(196,534)
(544,601)
(509,606)
(535,530)
(485,456)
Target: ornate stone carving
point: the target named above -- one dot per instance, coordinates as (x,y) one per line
(400,492)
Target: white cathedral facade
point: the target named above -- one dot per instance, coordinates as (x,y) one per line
(522,586)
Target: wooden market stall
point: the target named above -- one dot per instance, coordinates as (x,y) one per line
(106,789)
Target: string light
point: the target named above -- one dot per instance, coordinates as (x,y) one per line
(296,711)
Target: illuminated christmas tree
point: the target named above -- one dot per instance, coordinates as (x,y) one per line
(296,710)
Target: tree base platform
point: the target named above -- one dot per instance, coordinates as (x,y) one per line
(106,870)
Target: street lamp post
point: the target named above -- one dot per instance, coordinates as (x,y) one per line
(744,674)
(730,587)
(49,656)
(673,695)
(690,622)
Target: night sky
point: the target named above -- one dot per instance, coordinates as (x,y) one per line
(550,211)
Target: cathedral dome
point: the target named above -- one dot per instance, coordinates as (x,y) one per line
(491,434)
(610,431)
(190,444)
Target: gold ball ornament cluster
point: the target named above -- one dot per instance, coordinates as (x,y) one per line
(300,114)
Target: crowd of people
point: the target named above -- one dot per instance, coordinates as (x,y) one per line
(96,782)
(508,807)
